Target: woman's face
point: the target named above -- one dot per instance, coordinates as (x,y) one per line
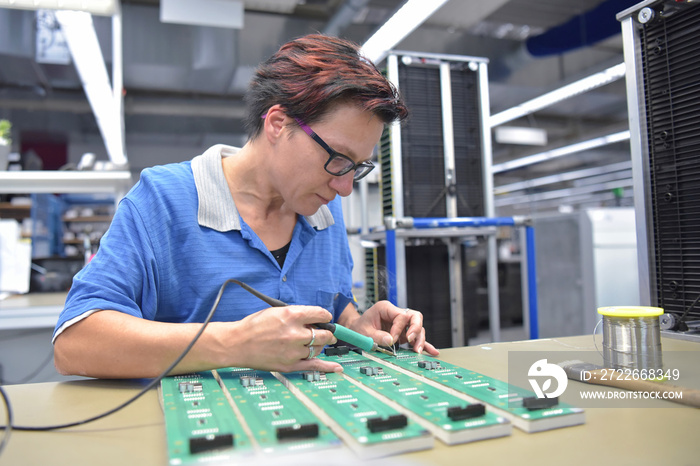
(305,184)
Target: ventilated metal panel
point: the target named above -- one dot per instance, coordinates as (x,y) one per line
(372,276)
(670,59)
(467,142)
(421,143)
(385,186)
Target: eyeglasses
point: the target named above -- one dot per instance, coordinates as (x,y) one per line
(338,164)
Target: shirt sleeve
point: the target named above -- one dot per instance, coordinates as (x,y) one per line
(121,277)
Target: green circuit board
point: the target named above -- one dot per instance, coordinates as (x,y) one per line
(506,399)
(448,417)
(380,406)
(199,420)
(366,424)
(277,420)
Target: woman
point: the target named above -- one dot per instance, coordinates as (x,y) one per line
(266,214)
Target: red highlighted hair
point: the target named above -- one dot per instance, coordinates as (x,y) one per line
(309,75)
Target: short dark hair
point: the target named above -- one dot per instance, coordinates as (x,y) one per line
(310,74)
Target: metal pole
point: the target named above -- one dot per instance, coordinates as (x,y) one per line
(492,276)
(118,75)
(489,211)
(454,251)
(448,142)
(398,244)
(453,248)
(364,202)
(525,280)
(391,284)
(532,282)
(641,173)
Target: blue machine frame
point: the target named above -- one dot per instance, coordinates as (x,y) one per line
(471,222)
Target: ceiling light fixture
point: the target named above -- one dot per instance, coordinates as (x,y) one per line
(96,7)
(520,135)
(578,87)
(561,151)
(411,15)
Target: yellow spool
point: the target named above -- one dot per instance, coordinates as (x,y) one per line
(631,337)
(630,311)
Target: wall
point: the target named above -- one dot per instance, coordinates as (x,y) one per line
(585,260)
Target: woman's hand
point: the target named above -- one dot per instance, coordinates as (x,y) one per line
(284,339)
(388,324)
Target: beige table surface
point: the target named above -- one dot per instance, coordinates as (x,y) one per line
(663,433)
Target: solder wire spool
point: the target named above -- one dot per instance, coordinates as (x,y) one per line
(631,337)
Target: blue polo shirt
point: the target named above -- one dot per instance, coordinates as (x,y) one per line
(177,236)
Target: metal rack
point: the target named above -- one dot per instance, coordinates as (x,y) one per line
(452,231)
(445,151)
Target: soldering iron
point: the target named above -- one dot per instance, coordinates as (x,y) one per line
(341,333)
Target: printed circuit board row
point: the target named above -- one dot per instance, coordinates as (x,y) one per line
(377,407)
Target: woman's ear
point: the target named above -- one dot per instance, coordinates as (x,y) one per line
(275,122)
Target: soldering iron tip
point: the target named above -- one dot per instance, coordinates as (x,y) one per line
(385,351)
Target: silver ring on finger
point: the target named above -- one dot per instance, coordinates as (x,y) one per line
(313,338)
(311,353)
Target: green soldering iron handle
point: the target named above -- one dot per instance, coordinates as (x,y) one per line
(340,332)
(349,336)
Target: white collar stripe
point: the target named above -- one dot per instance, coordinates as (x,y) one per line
(216,207)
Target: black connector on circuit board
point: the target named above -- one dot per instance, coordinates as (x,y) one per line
(189,387)
(299,431)
(533,403)
(210,442)
(377,424)
(336,350)
(371,371)
(458,413)
(429,365)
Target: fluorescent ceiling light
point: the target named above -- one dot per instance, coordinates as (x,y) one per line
(411,15)
(96,7)
(84,47)
(562,151)
(578,87)
(520,135)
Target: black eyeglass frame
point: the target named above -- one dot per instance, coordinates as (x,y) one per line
(362,169)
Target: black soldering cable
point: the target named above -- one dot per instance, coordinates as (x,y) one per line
(152,384)
(9,427)
(267,299)
(8,417)
(681,325)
